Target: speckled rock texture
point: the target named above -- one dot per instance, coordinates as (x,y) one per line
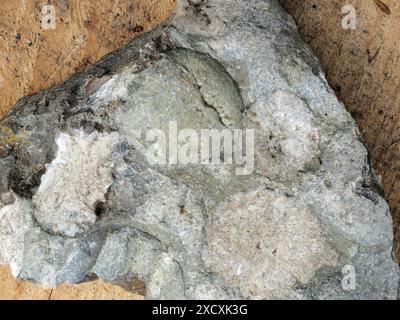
(79,197)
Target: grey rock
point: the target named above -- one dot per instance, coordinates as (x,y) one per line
(277,244)
(79,196)
(65,203)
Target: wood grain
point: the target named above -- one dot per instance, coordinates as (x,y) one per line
(12,289)
(383,6)
(33,58)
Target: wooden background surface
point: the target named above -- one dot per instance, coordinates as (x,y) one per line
(33,58)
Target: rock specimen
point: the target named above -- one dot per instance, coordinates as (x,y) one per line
(364,70)
(80,197)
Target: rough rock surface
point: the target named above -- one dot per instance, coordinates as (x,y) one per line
(363,67)
(79,197)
